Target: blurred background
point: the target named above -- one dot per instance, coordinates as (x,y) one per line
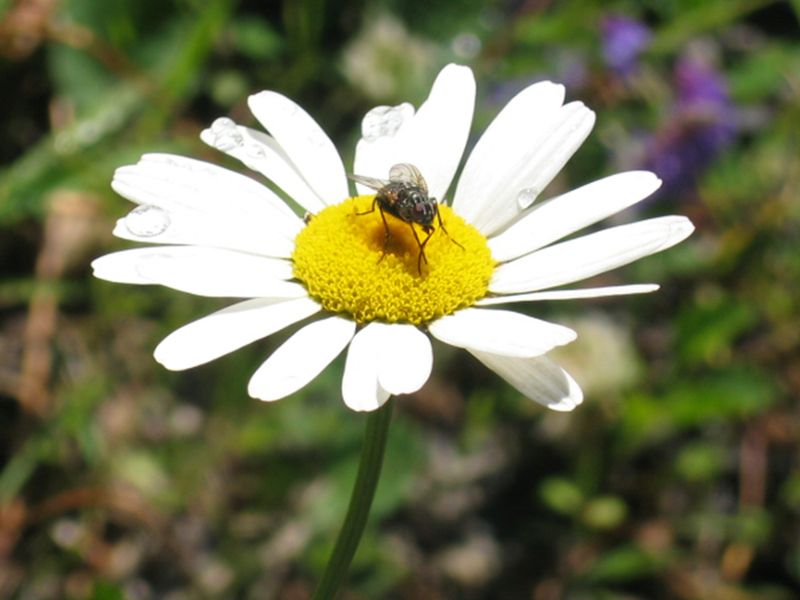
(679,477)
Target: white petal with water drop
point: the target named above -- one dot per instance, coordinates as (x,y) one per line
(378,145)
(260,152)
(560,216)
(385,121)
(147,221)
(527,196)
(514,166)
(304,142)
(205,205)
(490,174)
(226,135)
(433,140)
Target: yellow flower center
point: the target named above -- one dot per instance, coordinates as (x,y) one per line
(349,265)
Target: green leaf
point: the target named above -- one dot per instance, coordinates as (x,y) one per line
(708,330)
(761,73)
(105,590)
(605,512)
(700,18)
(624,564)
(701,461)
(561,495)
(255,38)
(736,393)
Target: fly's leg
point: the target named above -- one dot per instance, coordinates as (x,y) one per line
(387,234)
(371,210)
(428,230)
(439,218)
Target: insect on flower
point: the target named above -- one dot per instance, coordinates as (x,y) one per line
(405,196)
(328,273)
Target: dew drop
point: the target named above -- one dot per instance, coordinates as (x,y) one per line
(384,121)
(147,221)
(226,134)
(526,196)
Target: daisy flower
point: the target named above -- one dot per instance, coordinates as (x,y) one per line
(355,275)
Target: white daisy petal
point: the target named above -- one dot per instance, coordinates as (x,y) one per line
(199,185)
(405,358)
(589,255)
(226,286)
(570,212)
(574,122)
(123,266)
(360,388)
(537,378)
(501,332)
(528,172)
(378,146)
(304,142)
(301,358)
(229,329)
(513,133)
(433,140)
(222,274)
(599,292)
(198,270)
(260,152)
(191,229)
(181,204)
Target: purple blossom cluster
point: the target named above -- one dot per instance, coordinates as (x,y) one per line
(623,40)
(702,120)
(702,125)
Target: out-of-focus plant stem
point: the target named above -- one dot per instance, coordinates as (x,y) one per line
(369,471)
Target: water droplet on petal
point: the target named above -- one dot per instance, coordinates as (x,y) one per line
(255,149)
(526,196)
(147,221)
(384,121)
(226,134)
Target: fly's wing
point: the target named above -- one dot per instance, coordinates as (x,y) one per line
(370,182)
(406,173)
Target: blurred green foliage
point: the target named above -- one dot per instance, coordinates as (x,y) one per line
(679,477)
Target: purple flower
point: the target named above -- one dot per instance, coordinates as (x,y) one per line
(699,87)
(702,125)
(623,40)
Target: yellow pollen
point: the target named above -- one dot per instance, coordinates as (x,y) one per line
(346,264)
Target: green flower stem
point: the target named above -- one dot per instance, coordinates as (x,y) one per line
(369,471)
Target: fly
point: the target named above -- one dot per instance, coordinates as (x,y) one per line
(405,196)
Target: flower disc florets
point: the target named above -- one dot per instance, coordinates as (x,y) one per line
(345,262)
